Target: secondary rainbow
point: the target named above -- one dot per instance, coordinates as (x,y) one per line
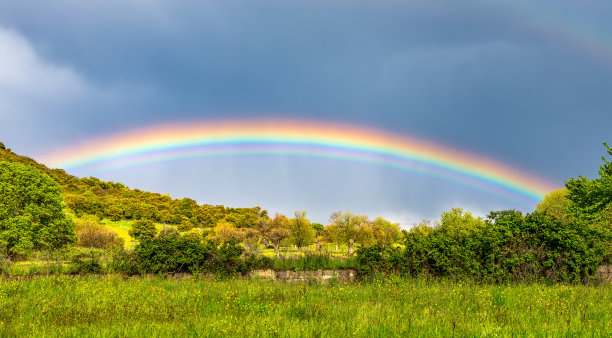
(299,138)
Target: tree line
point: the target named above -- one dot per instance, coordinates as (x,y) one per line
(566,237)
(344,228)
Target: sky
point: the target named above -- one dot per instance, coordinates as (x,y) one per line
(523,83)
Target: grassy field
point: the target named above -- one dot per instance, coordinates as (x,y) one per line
(112,306)
(122,228)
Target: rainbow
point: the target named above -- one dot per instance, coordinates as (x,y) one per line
(567,29)
(300,138)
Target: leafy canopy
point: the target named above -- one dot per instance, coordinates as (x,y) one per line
(31,211)
(591,199)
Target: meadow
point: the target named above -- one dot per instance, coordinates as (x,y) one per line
(115,306)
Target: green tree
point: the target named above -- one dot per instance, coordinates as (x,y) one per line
(319,234)
(591,202)
(115,212)
(346,226)
(225,232)
(318,228)
(251,239)
(591,198)
(275,230)
(142,230)
(555,204)
(385,232)
(331,234)
(302,234)
(31,211)
(185,225)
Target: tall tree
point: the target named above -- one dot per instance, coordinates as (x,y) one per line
(31,211)
(347,226)
(555,204)
(591,199)
(275,230)
(302,234)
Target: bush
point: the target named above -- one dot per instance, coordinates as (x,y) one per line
(92,235)
(168,232)
(511,247)
(185,225)
(85,263)
(173,254)
(143,229)
(377,259)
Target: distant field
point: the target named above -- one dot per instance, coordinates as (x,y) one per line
(123,227)
(111,306)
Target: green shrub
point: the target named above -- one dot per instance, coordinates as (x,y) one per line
(185,225)
(182,254)
(173,254)
(143,230)
(377,259)
(511,247)
(85,263)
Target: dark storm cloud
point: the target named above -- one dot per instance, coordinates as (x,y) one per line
(500,79)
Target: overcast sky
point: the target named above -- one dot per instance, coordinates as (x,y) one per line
(527,83)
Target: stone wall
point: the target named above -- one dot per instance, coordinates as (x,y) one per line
(604,272)
(320,276)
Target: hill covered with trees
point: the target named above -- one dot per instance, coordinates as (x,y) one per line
(115,201)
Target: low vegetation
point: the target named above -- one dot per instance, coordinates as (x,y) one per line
(110,306)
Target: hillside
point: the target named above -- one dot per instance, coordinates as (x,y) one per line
(115,201)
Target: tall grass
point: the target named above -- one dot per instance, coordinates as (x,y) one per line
(112,306)
(312,261)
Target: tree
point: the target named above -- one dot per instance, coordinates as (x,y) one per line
(225,232)
(318,228)
(331,234)
(302,234)
(31,211)
(319,234)
(365,234)
(115,212)
(555,204)
(143,230)
(591,198)
(346,227)
(185,225)
(251,239)
(275,230)
(385,232)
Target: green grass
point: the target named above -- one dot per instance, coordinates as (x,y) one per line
(111,306)
(122,228)
(312,261)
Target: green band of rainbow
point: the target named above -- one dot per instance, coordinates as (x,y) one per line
(301,138)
